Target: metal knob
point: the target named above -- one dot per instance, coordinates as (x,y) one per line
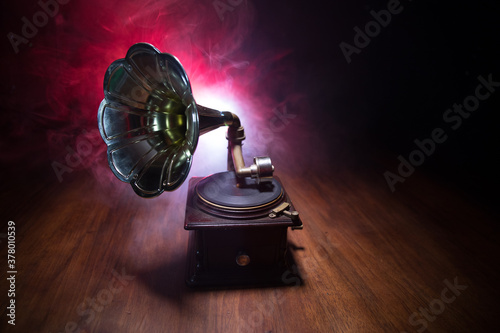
(242,259)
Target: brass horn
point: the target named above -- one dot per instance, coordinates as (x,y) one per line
(150,123)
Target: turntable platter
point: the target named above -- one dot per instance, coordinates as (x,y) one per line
(221,191)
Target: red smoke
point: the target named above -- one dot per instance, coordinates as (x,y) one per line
(56,83)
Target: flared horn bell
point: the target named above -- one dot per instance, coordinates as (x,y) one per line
(150,121)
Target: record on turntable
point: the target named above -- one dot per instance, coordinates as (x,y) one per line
(222,195)
(237,219)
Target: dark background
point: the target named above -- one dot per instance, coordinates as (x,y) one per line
(397,89)
(360,115)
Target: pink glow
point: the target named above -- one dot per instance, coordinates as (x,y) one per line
(69,56)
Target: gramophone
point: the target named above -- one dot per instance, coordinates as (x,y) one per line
(237,219)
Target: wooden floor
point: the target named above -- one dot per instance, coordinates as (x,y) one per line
(91,256)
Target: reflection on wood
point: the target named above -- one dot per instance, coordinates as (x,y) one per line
(96,257)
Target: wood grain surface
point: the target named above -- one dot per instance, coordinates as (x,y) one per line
(93,257)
